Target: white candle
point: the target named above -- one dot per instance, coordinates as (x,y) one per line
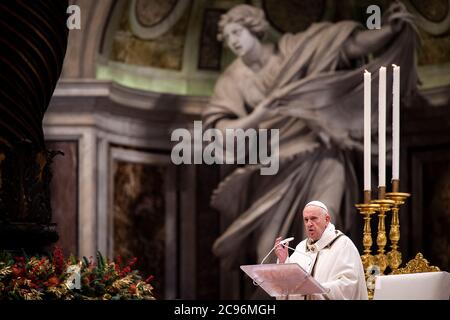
(382,128)
(367,130)
(396,124)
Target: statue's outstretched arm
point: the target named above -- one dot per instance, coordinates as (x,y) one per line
(369,41)
(366,42)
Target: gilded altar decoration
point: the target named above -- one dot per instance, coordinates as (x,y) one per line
(417,265)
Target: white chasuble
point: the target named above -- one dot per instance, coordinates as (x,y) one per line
(335,263)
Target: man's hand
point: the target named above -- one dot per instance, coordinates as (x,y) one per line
(281,250)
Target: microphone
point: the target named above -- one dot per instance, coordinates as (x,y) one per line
(286,240)
(282,242)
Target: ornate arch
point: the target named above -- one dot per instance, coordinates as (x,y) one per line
(434,19)
(150,24)
(85,44)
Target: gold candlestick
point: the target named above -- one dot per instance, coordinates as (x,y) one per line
(381,258)
(367,210)
(394,256)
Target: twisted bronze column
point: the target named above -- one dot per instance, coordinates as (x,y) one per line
(33,41)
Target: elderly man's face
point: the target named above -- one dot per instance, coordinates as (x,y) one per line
(238,38)
(315,221)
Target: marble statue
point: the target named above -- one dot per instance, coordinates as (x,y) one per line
(310,86)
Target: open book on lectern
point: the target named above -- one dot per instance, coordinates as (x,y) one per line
(283,279)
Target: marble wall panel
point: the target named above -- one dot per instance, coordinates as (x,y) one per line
(210,48)
(64,194)
(139,218)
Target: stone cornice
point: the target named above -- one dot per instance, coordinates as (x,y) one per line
(127,97)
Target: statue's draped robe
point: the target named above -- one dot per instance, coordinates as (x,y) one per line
(321,99)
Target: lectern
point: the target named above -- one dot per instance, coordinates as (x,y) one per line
(280,280)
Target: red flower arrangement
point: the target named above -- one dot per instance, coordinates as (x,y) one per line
(40,278)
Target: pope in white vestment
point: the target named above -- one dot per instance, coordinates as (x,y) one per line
(328,255)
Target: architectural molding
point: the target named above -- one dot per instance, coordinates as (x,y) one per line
(84,44)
